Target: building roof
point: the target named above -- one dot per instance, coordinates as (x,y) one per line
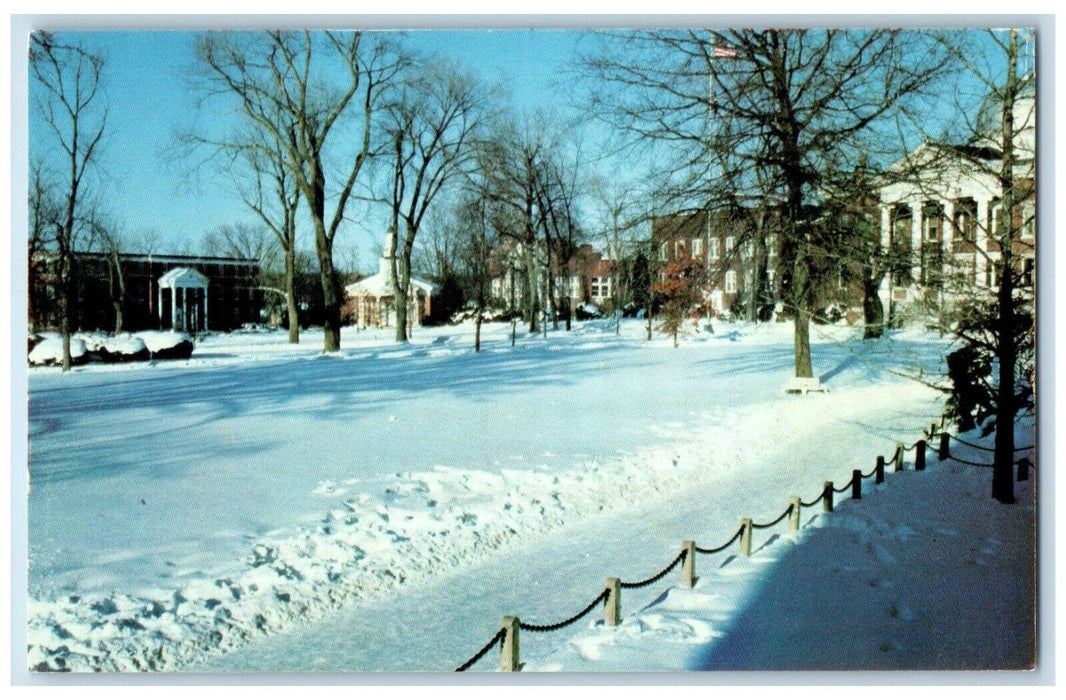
(380,285)
(183,277)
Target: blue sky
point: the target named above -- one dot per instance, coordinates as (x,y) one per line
(147,186)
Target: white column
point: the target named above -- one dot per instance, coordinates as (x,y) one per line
(916,238)
(885,291)
(159,306)
(947,236)
(886,226)
(173,308)
(205,308)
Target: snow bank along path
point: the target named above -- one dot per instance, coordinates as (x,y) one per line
(120,604)
(926,572)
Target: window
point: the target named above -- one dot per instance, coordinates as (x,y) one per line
(605,287)
(966,220)
(594,287)
(575,286)
(713,248)
(731,282)
(771,246)
(991,280)
(662,252)
(998,224)
(1028,268)
(697,247)
(931,223)
(730,243)
(770,278)
(679,249)
(1028,220)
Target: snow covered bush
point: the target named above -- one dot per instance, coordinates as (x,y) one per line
(49,351)
(167,345)
(121,348)
(585,311)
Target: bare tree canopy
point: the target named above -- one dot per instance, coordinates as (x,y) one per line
(763,114)
(67,98)
(432,121)
(303,89)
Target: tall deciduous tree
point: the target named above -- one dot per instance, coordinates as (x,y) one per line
(67,98)
(1000,327)
(302,88)
(793,103)
(431,121)
(275,199)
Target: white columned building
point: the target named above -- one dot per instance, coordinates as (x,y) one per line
(188,300)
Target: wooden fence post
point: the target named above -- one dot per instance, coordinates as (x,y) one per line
(509,651)
(919,456)
(827,497)
(688,565)
(945,447)
(612,610)
(856,484)
(932,430)
(899,457)
(879,470)
(1023,469)
(794,505)
(745,537)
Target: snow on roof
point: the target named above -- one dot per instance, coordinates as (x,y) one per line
(183,277)
(380,285)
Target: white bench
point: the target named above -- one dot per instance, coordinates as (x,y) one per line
(804,385)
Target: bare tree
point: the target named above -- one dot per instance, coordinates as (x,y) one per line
(44,212)
(275,199)
(795,103)
(477,242)
(1003,326)
(514,165)
(66,96)
(620,219)
(431,120)
(299,87)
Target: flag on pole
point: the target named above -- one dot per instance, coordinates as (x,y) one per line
(724,52)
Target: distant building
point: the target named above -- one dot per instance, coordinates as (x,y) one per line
(585,278)
(726,243)
(183,292)
(590,279)
(742,254)
(372,301)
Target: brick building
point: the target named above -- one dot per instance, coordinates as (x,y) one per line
(184,292)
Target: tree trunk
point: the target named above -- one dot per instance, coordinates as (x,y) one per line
(290,296)
(401,315)
(802,343)
(118,289)
(332,294)
(872,308)
(477,330)
(1003,470)
(66,299)
(531,284)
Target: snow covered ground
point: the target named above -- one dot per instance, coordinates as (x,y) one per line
(264,507)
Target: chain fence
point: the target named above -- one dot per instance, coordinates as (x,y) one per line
(824,496)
